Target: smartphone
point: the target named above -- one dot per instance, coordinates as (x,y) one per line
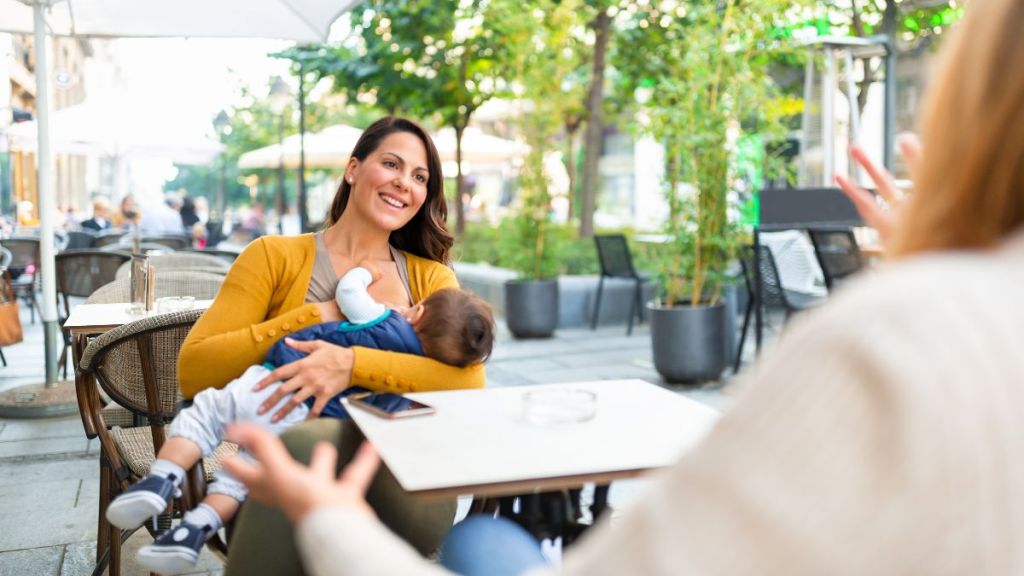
(388,405)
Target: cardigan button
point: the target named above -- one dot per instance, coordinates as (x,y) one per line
(301,318)
(286,327)
(315,312)
(271,332)
(259,338)
(390,380)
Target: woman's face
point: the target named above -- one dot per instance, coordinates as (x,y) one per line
(390,185)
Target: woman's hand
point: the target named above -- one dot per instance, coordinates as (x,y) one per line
(324,373)
(872,213)
(278,480)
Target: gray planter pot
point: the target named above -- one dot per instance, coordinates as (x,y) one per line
(689,343)
(531,308)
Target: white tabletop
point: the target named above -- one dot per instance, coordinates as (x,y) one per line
(99,318)
(478,441)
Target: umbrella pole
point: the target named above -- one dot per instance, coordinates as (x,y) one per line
(51,398)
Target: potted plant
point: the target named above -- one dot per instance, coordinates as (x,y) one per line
(702,81)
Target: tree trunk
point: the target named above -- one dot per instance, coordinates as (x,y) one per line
(460,183)
(301,200)
(570,165)
(595,125)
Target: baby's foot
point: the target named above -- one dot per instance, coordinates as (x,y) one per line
(176,551)
(147,498)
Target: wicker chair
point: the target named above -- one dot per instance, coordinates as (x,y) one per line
(80,239)
(200,285)
(136,365)
(172,242)
(182,261)
(108,237)
(79,274)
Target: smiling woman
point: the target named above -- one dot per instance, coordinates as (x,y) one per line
(389,210)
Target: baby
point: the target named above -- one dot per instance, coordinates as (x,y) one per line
(452,326)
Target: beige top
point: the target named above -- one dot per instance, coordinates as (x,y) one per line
(323,281)
(883,435)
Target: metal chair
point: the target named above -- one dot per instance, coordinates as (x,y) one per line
(183,261)
(617,262)
(79,274)
(136,365)
(172,242)
(773,295)
(228,256)
(5,260)
(80,239)
(108,237)
(837,253)
(25,254)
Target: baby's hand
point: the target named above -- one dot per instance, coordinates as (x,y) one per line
(371,268)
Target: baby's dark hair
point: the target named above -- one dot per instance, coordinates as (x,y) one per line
(456,328)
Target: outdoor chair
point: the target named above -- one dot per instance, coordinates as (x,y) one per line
(24,269)
(617,262)
(80,239)
(172,242)
(837,253)
(182,261)
(79,274)
(107,237)
(136,365)
(228,256)
(145,247)
(197,284)
(773,295)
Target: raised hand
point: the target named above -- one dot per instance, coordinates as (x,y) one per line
(874,214)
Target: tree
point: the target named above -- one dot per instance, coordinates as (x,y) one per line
(433,59)
(601,25)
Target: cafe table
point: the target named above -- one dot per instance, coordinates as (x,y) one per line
(480,441)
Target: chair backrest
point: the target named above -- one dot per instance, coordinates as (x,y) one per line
(614,256)
(227,256)
(82,272)
(146,247)
(79,239)
(24,253)
(201,285)
(137,364)
(183,261)
(837,253)
(772,295)
(107,238)
(172,242)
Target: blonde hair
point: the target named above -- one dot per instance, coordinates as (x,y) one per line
(969,185)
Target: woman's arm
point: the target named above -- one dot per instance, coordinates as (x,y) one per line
(235,332)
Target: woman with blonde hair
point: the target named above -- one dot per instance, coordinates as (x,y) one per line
(883,434)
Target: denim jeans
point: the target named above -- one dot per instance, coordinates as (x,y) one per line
(482,545)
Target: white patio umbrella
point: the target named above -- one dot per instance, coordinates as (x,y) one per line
(328,148)
(117,128)
(300,20)
(477,146)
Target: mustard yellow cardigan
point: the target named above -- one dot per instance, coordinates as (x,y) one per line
(263,299)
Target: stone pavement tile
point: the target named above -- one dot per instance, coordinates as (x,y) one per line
(596,371)
(50,497)
(504,375)
(50,528)
(613,356)
(69,426)
(79,558)
(21,472)
(530,365)
(31,562)
(43,447)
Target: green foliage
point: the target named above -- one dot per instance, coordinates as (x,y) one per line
(699,76)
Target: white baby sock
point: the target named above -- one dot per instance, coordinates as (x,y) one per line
(169,470)
(204,515)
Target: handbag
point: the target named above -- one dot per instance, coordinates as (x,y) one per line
(10,322)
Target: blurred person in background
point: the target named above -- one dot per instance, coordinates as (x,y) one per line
(165,218)
(882,435)
(100,219)
(128,215)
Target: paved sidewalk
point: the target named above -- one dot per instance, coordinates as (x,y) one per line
(49,471)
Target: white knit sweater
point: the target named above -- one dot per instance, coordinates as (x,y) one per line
(883,435)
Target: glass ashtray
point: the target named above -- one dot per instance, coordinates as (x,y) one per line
(169,304)
(559,406)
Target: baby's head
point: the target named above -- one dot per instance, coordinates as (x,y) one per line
(454,326)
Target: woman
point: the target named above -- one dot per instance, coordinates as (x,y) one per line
(389,209)
(882,436)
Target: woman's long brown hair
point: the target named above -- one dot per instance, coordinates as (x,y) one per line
(969,186)
(427,234)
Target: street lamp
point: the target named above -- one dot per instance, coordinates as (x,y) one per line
(221,123)
(280,96)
